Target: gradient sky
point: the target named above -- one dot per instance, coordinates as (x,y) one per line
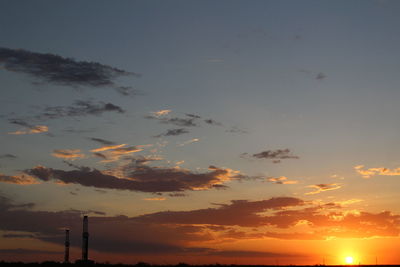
(247,132)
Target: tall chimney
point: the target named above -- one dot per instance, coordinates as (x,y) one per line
(85,239)
(66,255)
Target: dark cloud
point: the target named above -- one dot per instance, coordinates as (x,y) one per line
(52,68)
(100,155)
(275,155)
(18,236)
(102,141)
(173,132)
(191,121)
(8,156)
(192,115)
(127,91)
(236,129)
(251,254)
(78,131)
(173,231)
(179,121)
(139,178)
(212,122)
(320,76)
(77,109)
(21,251)
(238,213)
(112,234)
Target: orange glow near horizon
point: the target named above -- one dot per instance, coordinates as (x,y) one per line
(349,260)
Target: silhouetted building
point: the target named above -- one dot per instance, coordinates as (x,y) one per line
(66,255)
(85,239)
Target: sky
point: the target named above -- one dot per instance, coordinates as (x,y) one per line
(244,132)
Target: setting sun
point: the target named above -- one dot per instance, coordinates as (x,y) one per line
(349,260)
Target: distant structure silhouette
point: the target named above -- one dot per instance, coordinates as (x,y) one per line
(85,239)
(66,255)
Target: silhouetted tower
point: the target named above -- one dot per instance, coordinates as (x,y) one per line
(85,239)
(66,255)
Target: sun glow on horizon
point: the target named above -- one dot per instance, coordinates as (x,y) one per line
(349,260)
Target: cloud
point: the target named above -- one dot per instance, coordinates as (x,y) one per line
(77,109)
(320,76)
(275,155)
(55,69)
(192,115)
(189,142)
(282,180)
(114,153)
(236,129)
(71,154)
(160,113)
(18,236)
(368,173)
(107,147)
(155,198)
(8,156)
(174,232)
(177,194)
(31,129)
(182,122)
(36,129)
(102,141)
(323,187)
(139,177)
(238,213)
(22,251)
(251,254)
(212,122)
(127,91)
(173,132)
(22,179)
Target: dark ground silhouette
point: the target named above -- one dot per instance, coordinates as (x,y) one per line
(142,264)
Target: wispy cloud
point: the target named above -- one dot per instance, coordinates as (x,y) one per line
(31,129)
(282,180)
(107,147)
(77,109)
(160,113)
(320,76)
(52,68)
(173,132)
(155,198)
(70,154)
(213,122)
(189,142)
(34,130)
(368,173)
(102,141)
(275,155)
(322,188)
(8,156)
(115,152)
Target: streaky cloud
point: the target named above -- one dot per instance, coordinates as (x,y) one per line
(56,69)
(173,132)
(138,177)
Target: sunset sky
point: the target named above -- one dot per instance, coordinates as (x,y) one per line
(229,131)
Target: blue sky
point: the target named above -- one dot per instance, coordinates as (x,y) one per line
(314,83)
